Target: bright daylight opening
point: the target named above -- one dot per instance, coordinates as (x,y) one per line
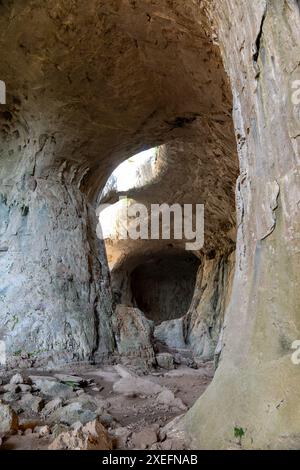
(130,174)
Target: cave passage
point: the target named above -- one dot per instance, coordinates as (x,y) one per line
(163,285)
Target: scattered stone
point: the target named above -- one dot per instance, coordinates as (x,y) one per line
(17,379)
(144,439)
(50,387)
(166,397)
(165,361)
(42,431)
(92,436)
(31,402)
(52,405)
(9,422)
(58,429)
(11,388)
(29,424)
(27,432)
(71,413)
(25,388)
(134,386)
(121,436)
(10,397)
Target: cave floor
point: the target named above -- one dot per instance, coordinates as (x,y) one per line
(135,409)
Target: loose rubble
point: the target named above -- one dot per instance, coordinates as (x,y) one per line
(99,408)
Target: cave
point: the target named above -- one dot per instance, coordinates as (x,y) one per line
(163,286)
(211,85)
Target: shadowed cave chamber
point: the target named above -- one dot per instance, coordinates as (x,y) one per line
(163,286)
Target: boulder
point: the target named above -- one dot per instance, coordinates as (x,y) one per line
(171,333)
(31,402)
(9,422)
(52,405)
(165,360)
(11,388)
(166,397)
(121,436)
(92,436)
(51,387)
(133,333)
(17,379)
(71,413)
(135,386)
(42,431)
(72,380)
(144,439)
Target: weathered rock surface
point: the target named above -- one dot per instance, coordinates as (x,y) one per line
(8,420)
(52,168)
(92,436)
(171,333)
(72,413)
(256,384)
(204,321)
(133,333)
(165,360)
(50,387)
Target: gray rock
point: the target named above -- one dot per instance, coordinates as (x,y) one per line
(25,388)
(52,388)
(10,397)
(133,333)
(12,388)
(165,361)
(8,420)
(171,333)
(17,379)
(52,405)
(31,402)
(135,386)
(71,379)
(144,439)
(71,413)
(121,436)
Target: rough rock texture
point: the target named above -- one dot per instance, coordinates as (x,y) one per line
(92,436)
(52,276)
(204,320)
(87,87)
(8,420)
(133,334)
(171,333)
(256,385)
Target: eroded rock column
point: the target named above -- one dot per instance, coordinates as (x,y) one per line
(256,386)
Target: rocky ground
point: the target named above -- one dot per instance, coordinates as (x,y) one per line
(92,407)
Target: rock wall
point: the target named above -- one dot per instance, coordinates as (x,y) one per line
(256,385)
(55,292)
(88,85)
(204,321)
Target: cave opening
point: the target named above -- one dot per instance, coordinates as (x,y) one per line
(163,285)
